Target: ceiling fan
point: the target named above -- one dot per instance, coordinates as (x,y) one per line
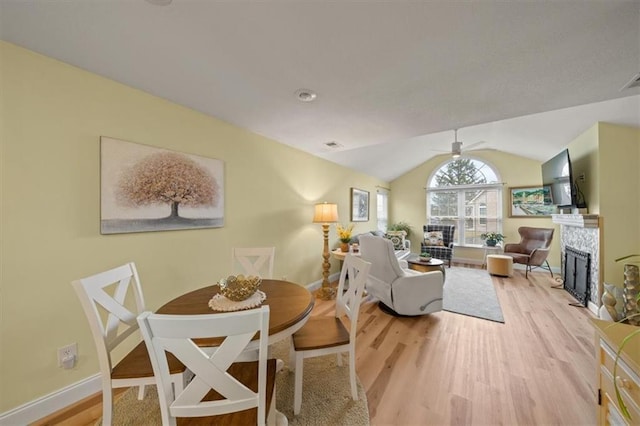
(456,146)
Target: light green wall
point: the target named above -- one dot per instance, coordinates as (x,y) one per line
(408,199)
(609,155)
(619,177)
(52,118)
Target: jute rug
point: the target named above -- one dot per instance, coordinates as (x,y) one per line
(470,292)
(326,396)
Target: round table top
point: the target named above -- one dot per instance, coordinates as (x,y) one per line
(432,262)
(288,303)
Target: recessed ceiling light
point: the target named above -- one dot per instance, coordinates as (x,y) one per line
(159,2)
(306,95)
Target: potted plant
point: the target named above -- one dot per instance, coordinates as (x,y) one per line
(425,256)
(400,226)
(492,238)
(344,235)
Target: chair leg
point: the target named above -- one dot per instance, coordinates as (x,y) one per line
(352,374)
(297,390)
(179,383)
(140,392)
(272,413)
(107,403)
(292,355)
(549,267)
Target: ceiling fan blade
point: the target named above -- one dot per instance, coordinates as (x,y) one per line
(468,147)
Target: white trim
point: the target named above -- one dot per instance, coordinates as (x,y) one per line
(48,404)
(470,261)
(317,284)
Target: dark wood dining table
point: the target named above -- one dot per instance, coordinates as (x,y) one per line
(289,307)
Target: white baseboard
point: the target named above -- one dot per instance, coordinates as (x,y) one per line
(317,284)
(48,404)
(464,260)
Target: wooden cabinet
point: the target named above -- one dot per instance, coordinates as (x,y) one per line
(609,337)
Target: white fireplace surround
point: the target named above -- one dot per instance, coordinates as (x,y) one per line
(582,232)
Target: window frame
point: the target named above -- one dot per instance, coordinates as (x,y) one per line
(382,217)
(460,190)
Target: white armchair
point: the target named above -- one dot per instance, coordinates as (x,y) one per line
(400,290)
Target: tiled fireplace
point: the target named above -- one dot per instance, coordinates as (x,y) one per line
(582,232)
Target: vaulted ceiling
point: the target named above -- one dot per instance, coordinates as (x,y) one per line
(393,78)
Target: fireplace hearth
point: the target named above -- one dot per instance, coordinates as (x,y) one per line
(577,273)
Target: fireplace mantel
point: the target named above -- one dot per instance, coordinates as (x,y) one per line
(577,220)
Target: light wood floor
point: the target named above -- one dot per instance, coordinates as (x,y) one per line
(537,368)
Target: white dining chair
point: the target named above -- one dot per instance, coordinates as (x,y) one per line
(323,335)
(243,390)
(105,303)
(253,261)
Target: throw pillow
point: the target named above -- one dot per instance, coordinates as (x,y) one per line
(433,238)
(397,241)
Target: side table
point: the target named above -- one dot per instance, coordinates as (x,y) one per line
(490,250)
(421,266)
(340,255)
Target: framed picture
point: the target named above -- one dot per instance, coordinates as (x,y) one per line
(144,188)
(359,205)
(531,201)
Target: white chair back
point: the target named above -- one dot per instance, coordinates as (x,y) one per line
(175,334)
(120,321)
(384,263)
(348,302)
(253,261)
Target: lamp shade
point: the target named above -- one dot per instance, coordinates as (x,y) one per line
(325,213)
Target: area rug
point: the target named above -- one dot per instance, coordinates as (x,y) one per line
(326,396)
(470,292)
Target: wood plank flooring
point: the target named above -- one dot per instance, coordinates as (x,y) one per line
(538,368)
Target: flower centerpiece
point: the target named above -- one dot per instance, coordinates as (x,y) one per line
(492,238)
(344,235)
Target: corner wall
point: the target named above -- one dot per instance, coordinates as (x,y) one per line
(619,179)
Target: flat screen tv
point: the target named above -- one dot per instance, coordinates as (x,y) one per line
(558,178)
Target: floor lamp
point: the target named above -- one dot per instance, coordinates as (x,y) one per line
(325,214)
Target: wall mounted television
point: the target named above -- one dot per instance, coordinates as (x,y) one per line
(558,177)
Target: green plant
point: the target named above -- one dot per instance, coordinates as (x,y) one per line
(492,236)
(400,226)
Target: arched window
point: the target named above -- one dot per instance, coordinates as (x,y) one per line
(467,193)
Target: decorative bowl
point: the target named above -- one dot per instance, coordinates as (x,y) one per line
(239,288)
(425,258)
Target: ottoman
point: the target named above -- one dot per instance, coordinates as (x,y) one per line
(499,264)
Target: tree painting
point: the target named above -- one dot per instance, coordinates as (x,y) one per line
(167,178)
(144,188)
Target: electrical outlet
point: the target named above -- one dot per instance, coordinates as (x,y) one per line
(67,355)
(284,278)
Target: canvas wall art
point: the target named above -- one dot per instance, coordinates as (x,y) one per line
(144,188)
(359,205)
(531,201)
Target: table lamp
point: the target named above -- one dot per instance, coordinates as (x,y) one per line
(325,213)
